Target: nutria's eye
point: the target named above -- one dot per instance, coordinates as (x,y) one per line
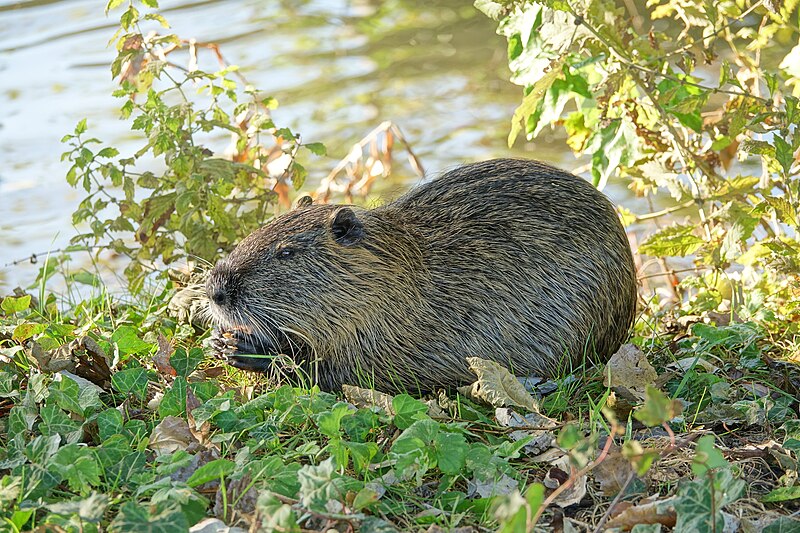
(286,253)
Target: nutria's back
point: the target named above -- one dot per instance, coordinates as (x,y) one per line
(510,260)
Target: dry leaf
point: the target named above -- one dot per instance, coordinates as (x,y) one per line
(629,372)
(686,363)
(214,525)
(497,386)
(612,473)
(368,398)
(495,487)
(171,435)
(534,425)
(558,473)
(652,512)
(161,358)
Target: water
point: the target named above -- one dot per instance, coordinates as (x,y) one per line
(437,69)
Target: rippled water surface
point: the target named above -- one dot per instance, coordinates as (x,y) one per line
(338,69)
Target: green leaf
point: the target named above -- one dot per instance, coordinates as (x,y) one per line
(131,381)
(56,422)
(26,330)
(707,457)
(784,209)
(657,408)
(76,464)
(316,148)
(275,515)
(113,4)
(90,509)
(109,423)
(81,126)
(185,362)
(407,410)
(678,241)
(299,175)
(174,401)
(782,494)
(329,422)
(699,503)
(12,305)
(784,154)
(129,342)
(614,146)
(531,101)
(136,517)
(451,452)
(213,471)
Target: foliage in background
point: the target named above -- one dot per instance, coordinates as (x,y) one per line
(689,99)
(200,202)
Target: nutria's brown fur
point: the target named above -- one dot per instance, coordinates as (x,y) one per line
(509,260)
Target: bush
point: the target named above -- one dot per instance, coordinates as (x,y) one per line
(687,109)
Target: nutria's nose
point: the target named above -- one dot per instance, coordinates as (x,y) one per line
(216,288)
(219,297)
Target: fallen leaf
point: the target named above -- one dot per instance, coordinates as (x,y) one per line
(496,487)
(575,493)
(368,398)
(161,357)
(171,435)
(534,425)
(497,386)
(629,372)
(612,473)
(652,512)
(214,525)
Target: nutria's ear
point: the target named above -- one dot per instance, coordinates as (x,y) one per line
(304,201)
(346,228)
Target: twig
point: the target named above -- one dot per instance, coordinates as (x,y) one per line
(574,477)
(614,502)
(666,211)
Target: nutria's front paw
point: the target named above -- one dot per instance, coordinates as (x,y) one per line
(240,350)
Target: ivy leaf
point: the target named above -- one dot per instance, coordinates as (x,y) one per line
(678,241)
(131,380)
(128,341)
(699,503)
(451,452)
(174,401)
(136,517)
(707,456)
(56,422)
(109,423)
(77,465)
(185,362)
(329,422)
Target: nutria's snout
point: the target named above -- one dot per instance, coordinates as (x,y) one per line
(219,286)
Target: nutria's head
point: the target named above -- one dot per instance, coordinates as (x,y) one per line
(305,284)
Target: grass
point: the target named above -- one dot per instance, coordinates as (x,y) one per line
(169,438)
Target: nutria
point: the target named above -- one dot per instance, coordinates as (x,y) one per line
(509,260)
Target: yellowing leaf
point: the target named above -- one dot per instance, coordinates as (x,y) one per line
(532,99)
